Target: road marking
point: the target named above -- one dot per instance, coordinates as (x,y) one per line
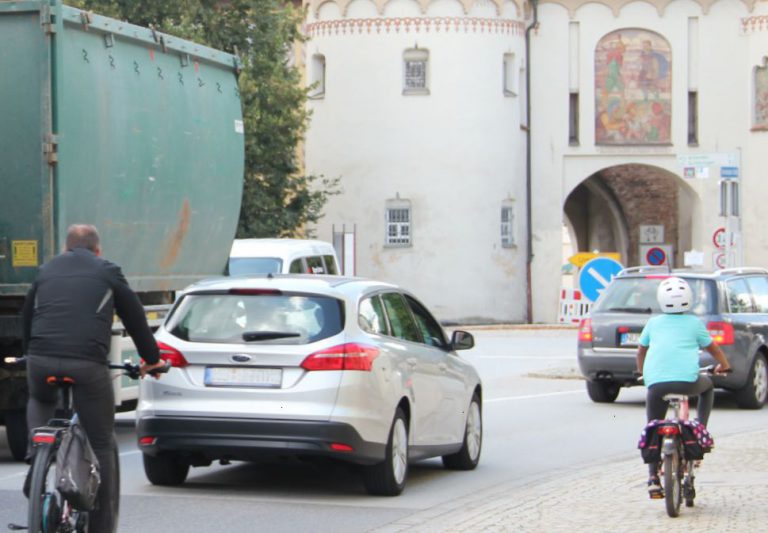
(531,396)
(545,357)
(17,474)
(131,452)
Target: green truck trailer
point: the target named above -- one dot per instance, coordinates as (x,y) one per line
(104,122)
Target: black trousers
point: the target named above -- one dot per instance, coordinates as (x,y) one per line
(94,402)
(656,405)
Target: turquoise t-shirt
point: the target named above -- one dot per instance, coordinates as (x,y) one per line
(673,343)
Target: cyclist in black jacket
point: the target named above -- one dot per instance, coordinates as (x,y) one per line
(67,325)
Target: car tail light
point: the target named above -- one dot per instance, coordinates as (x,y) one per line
(339,447)
(722,332)
(668,430)
(169,353)
(147,441)
(585,330)
(349,356)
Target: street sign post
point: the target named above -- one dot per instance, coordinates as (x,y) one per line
(596,274)
(656,254)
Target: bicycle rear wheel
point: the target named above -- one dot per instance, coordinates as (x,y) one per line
(44,507)
(673,483)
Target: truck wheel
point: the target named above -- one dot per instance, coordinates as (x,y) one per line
(603,391)
(165,469)
(754,393)
(17,433)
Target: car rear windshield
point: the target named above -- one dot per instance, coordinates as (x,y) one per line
(239,266)
(256,318)
(638,295)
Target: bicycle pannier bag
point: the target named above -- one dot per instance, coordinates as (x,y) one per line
(77,469)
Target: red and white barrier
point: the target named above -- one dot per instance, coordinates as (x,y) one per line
(573,306)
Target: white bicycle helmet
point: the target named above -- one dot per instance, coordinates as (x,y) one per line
(674,295)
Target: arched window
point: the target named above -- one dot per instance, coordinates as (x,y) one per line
(633,88)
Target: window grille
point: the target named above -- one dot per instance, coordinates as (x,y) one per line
(507,233)
(398,226)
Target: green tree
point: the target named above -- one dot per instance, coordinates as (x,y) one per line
(277,199)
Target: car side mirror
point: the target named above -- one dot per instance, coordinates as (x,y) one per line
(462,340)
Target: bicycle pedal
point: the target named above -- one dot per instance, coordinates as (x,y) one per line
(656,495)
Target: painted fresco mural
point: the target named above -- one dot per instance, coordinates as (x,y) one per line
(633,88)
(761,97)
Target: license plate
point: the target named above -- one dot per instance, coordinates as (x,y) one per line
(230,376)
(630,339)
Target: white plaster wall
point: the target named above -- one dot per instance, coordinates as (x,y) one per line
(723,122)
(456,154)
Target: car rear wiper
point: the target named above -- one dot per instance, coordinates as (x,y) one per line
(249,336)
(644,310)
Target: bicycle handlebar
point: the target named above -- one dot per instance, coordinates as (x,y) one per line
(131,370)
(708,370)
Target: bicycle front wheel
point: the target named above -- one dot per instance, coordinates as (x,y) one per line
(673,483)
(43,501)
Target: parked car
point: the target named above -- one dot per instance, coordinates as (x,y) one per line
(303,365)
(282,256)
(733,303)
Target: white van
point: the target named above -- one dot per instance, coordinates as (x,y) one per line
(282,256)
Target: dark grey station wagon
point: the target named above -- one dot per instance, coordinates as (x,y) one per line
(733,304)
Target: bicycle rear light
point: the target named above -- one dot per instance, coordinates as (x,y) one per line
(43,438)
(668,431)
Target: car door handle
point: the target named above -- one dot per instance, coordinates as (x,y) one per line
(412,361)
(442,366)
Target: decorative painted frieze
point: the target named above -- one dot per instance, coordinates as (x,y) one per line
(415,25)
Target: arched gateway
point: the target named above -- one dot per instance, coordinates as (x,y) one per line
(630,209)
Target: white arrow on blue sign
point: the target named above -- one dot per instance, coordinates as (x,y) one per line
(596,274)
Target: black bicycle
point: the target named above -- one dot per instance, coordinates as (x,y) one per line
(49,511)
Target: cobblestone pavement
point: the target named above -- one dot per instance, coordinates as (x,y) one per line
(732,495)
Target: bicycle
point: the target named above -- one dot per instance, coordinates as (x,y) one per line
(678,468)
(49,511)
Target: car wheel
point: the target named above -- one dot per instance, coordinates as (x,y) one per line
(469,454)
(165,469)
(387,478)
(603,391)
(754,393)
(16,432)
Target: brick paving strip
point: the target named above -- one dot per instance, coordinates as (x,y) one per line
(732,496)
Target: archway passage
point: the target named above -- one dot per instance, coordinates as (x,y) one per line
(605,212)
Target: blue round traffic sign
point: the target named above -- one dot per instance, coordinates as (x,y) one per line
(656,256)
(596,274)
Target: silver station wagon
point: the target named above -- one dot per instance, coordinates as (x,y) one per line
(732,303)
(306,365)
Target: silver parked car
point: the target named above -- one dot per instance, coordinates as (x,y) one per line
(305,365)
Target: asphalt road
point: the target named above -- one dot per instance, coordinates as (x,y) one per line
(538,420)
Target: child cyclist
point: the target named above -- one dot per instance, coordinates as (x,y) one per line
(668,359)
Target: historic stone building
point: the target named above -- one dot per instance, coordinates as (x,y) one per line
(466,133)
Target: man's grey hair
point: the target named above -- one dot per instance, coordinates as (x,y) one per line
(82,236)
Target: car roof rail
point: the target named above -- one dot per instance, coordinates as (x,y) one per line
(645,268)
(741,270)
